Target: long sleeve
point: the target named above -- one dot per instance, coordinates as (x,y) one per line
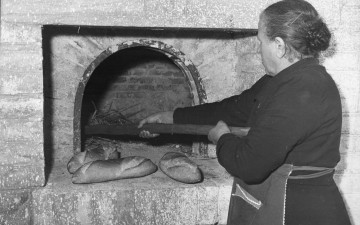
(295,116)
(234,111)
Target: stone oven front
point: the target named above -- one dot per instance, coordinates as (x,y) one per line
(126,74)
(120,75)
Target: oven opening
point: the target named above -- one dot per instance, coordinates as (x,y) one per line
(129,85)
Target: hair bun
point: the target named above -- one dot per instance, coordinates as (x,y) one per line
(318,37)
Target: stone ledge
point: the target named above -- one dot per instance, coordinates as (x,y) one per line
(155,199)
(22,176)
(15,207)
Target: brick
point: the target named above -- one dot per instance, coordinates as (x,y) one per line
(121,79)
(349,143)
(77,50)
(349,162)
(22,176)
(160,72)
(141,80)
(62,124)
(166,206)
(212,150)
(207,210)
(137,71)
(62,139)
(64,83)
(350,2)
(63,109)
(146,88)
(21,129)
(224,14)
(14,32)
(21,106)
(21,57)
(350,102)
(14,82)
(346,41)
(92,205)
(154,199)
(54,12)
(179,81)
(61,153)
(177,74)
(248,45)
(55,208)
(178,98)
(108,207)
(213,13)
(343,61)
(144,200)
(329,10)
(187,205)
(123,215)
(15,207)
(180,14)
(350,18)
(135,94)
(348,83)
(21,152)
(250,62)
(224,200)
(351,123)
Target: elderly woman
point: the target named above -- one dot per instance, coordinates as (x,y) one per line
(283,169)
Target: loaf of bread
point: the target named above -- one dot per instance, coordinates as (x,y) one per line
(180,168)
(114,169)
(99,153)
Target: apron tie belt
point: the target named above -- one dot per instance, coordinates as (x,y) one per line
(322,171)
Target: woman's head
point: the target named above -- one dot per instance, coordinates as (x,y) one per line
(300,27)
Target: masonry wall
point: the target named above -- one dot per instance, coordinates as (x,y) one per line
(138,83)
(21,82)
(219,58)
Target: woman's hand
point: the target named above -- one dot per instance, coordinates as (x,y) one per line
(162,117)
(216,132)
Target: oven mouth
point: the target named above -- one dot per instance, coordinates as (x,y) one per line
(179,59)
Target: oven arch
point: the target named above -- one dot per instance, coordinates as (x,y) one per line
(179,58)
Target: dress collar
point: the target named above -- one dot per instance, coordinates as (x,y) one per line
(299,65)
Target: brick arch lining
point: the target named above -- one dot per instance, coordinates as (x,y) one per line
(179,58)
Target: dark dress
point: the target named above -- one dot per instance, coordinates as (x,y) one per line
(295,118)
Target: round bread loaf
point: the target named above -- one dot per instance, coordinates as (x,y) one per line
(114,169)
(180,168)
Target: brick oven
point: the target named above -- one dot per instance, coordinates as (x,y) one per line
(136,72)
(95,71)
(64,62)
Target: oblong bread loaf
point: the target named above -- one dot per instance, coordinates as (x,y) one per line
(114,169)
(88,156)
(180,168)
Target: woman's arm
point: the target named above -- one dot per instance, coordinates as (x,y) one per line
(280,124)
(234,111)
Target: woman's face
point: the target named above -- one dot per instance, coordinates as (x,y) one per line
(267,49)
